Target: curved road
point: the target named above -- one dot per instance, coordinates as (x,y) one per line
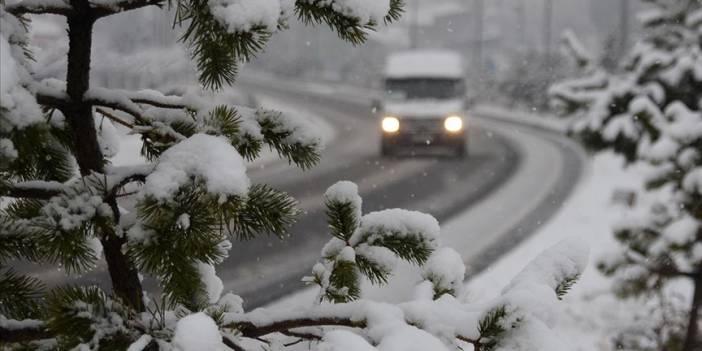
(513,180)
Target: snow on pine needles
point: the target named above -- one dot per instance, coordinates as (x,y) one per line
(175,217)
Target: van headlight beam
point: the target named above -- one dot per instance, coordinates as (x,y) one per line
(390,124)
(453,124)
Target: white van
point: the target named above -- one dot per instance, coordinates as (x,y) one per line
(424,102)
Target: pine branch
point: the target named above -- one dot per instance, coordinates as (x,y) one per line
(39,7)
(114,118)
(266,210)
(565,286)
(663,270)
(251,330)
(43,154)
(277,135)
(73,311)
(19,295)
(17,240)
(63,8)
(50,99)
(287,326)
(377,274)
(162,255)
(223,118)
(127,102)
(32,190)
(411,247)
(44,190)
(347,28)
(69,248)
(475,343)
(24,334)
(397,8)
(341,218)
(231,344)
(156,103)
(137,174)
(122,6)
(344,283)
(62,103)
(217,51)
(302,336)
(491,329)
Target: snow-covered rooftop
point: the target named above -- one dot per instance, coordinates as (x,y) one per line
(424,63)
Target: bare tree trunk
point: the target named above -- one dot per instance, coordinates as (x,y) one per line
(692,336)
(125,280)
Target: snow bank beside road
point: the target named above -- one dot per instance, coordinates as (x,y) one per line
(594,314)
(542,121)
(357,94)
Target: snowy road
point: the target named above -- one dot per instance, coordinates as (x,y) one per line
(515,178)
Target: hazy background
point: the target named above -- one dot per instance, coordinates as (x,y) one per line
(511,47)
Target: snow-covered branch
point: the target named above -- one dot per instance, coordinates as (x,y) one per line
(252,330)
(196,198)
(54,7)
(103,8)
(98,8)
(126,101)
(121,176)
(353,315)
(663,269)
(444,317)
(44,190)
(33,190)
(120,100)
(648,111)
(12,331)
(574,48)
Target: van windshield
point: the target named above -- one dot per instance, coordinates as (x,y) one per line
(424,88)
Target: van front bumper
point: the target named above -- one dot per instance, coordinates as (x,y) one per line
(424,139)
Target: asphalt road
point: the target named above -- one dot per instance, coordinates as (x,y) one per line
(265,269)
(513,180)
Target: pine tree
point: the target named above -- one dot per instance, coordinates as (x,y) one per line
(651,113)
(174,218)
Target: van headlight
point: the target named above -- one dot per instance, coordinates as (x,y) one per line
(453,124)
(390,124)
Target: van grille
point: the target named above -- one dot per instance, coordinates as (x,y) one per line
(422,125)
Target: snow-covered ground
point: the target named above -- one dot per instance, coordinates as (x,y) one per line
(532,118)
(593,314)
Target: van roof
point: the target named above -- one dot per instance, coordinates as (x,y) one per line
(424,64)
